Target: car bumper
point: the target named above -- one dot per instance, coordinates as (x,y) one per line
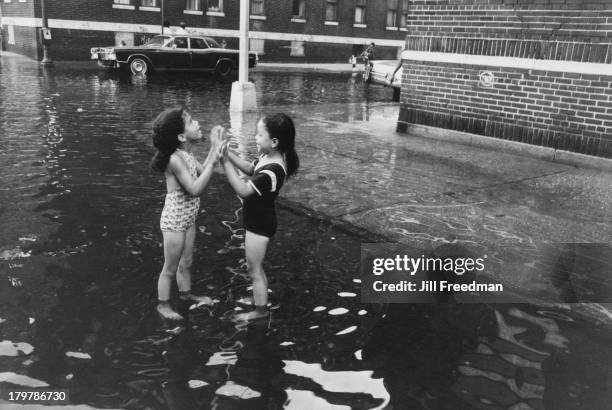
(105,57)
(108,63)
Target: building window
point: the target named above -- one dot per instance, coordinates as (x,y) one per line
(215,5)
(331,10)
(299,8)
(297,49)
(391,13)
(148,3)
(257,7)
(360,8)
(124,2)
(257,45)
(193,5)
(403,13)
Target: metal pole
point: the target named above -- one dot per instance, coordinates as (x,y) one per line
(243,61)
(46,60)
(243,97)
(161,6)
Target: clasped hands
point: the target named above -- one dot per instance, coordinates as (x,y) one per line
(219,141)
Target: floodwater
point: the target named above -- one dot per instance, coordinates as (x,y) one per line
(80,253)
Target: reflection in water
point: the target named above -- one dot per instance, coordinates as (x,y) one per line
(81,247)
(181,358)
(254,377)
(339,382)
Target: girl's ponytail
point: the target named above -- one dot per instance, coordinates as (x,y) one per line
(166,128)
(280,126)
(293,161)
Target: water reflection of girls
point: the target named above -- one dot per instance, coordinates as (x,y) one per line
(181,358)
(255,377)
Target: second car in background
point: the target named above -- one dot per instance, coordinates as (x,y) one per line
(381,71)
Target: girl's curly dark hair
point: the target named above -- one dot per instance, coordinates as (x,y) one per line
(166,128)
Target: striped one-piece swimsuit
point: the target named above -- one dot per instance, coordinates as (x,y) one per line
(180,208)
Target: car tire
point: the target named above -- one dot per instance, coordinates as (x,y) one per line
(139,66)
(367,73)
(224,67)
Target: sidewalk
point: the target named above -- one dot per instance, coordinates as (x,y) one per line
(308,67)
(423,192)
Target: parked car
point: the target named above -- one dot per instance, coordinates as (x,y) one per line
(380,71)
(171,52)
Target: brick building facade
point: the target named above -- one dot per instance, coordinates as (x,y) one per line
(534,71)
(281,30)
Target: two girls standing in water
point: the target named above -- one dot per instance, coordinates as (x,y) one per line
(174,133)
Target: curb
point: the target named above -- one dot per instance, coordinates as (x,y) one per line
(535,151)
(306,68)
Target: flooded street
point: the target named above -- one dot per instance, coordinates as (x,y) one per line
(80,253)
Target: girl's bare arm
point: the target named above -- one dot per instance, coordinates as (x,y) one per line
(199,168)
(241,164)
(192,186)
(241,188)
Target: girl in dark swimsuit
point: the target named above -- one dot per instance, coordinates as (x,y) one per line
(278,160)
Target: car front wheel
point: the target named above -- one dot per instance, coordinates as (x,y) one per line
(224,67)
(139,66)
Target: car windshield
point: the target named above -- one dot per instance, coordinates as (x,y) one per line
(157,41)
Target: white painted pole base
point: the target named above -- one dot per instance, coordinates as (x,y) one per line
(243,97)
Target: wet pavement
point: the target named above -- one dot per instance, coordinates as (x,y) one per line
(81,251)
(425,193)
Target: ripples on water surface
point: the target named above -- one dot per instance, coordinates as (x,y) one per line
(80,252)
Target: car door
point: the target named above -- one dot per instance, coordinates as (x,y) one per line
(177,55)
(155,50)
(202,57)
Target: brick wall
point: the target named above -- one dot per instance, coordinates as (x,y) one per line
(544,104)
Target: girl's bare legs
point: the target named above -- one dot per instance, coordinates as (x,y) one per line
(183,276)
(255,251)
(174,243)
